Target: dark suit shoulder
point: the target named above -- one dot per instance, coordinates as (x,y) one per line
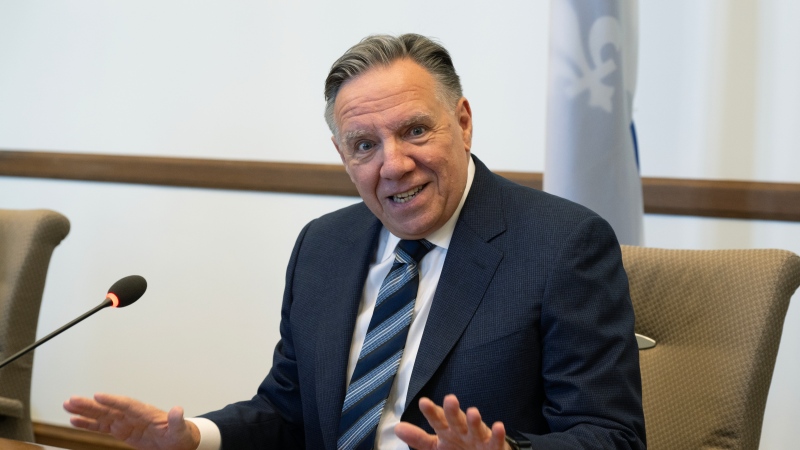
(540,218)
(532,203)
(345,222)
(548,221)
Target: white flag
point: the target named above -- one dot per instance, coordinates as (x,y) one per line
(591,155)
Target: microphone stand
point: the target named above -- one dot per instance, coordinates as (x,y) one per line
(106,303)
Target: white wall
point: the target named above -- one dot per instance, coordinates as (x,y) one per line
(717,98)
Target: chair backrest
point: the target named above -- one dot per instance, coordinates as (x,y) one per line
(27,240)
(716,317)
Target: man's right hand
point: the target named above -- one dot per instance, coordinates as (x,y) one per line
(138,424)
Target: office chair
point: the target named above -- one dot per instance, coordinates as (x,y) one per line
(716,317)
(27,240)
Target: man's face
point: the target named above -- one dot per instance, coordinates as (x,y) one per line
(406,152)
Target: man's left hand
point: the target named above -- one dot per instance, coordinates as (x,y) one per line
(455,430)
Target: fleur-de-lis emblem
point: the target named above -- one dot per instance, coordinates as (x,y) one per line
(571,62)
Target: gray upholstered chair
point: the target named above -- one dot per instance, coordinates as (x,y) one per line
(27,240)
(716,317)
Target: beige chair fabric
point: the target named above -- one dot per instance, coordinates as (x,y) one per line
(717,317)
(27,240)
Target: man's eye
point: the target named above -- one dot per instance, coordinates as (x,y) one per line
(417,131)
(364,146)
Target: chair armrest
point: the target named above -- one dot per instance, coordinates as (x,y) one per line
(10,407)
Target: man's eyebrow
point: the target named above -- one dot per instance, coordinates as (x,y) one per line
(413,120)
(352,135)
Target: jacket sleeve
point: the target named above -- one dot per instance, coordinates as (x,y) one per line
(590,359)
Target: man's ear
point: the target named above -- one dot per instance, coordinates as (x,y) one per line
(464,117)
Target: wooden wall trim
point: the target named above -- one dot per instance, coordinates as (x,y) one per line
(74,438)
(722,198)
(324,179)
(707,198)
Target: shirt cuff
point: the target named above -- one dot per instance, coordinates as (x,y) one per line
(210,437)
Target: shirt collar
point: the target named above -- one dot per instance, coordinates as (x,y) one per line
(441,237)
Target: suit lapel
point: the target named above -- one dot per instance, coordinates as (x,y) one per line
(468,270)
(347,274)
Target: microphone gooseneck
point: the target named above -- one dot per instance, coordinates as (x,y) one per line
(122,293)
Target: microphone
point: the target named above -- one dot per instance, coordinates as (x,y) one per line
(121,294)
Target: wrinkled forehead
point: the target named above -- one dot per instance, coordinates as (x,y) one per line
(386,89)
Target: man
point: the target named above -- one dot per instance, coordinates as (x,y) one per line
(509,301)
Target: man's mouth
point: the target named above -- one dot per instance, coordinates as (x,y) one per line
(406,196)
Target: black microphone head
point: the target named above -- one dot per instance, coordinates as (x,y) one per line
(127,290)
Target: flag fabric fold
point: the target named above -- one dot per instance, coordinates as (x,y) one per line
(591,152)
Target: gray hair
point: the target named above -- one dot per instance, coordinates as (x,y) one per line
(382,50)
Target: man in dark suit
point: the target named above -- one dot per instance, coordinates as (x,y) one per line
(519,303)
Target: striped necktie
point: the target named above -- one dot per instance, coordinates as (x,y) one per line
(383,347)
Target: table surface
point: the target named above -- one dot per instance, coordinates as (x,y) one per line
(7,444)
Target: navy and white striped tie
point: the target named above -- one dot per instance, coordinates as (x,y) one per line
(383,348)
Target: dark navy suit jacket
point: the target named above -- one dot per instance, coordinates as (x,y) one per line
(531,323)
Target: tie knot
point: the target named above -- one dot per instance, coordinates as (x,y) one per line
(415,250)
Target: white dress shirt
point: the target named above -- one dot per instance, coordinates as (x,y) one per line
(430,269)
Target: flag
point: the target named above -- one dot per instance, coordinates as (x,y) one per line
(591,152)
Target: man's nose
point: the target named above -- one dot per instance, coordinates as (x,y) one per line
(396,160)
